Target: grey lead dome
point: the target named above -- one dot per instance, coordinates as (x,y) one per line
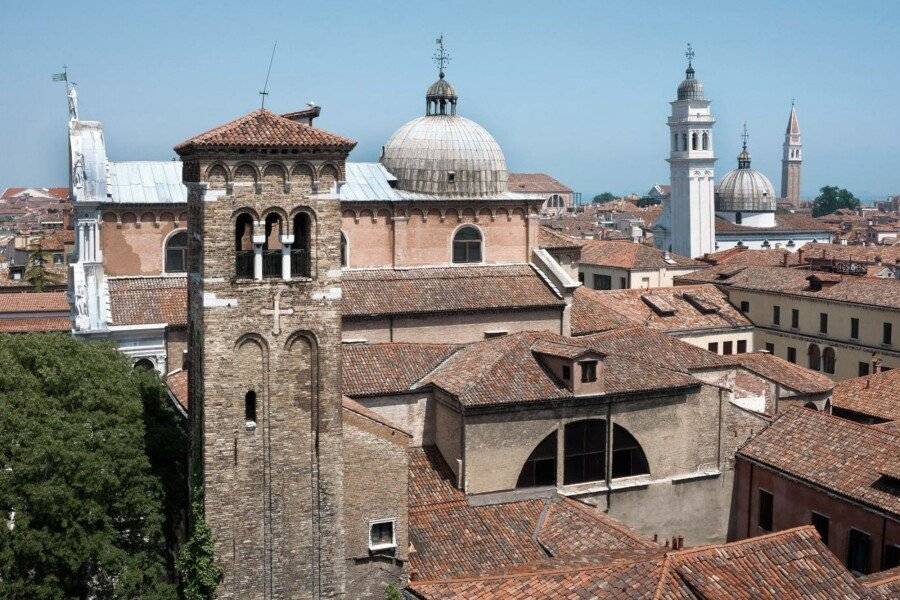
(745,189)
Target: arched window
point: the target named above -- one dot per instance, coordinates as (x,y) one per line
(467,245)
(300,251)
(628,457)
(738,218)
(144,364)
(272,246)
(243,246)
(694,145)
(828,360)
(540,468)
(684,141)
(585,448)
(343,250)
(815,358)
(674,142)
(176,253)
(250,408)
(705,141)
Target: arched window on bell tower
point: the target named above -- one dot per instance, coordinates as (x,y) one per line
(243,246)
(705,141)
(301,250)
(684,142)
(694,141)
(250,409)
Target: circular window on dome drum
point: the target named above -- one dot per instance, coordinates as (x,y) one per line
(467,245)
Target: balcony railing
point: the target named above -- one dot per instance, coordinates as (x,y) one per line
(300,266)
(271,263)
(243,264)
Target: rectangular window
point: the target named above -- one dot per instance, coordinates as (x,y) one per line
(776,315)
(823,322)
(891,556)
(791,354)
(886,333)
(585,451)
(858,549)
(645,282)
(567,372)
(742,346)
(588,371)
(713,347)
(381,535)
(580,277)
(821,522)
(764,518)
(623,283)
(727,348)
(602,282)
(795,318)
(863,368)
(854,328)
(770,347)
(745,306)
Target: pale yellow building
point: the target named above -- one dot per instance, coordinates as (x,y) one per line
(618,264)
(842,325)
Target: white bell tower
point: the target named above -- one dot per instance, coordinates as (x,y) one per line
(690,209)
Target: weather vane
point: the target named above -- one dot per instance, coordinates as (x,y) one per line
(265,91)
(441,56)
(689,54)
(71,95)
(745,136)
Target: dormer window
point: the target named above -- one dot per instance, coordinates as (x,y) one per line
(588,371)
(451,177)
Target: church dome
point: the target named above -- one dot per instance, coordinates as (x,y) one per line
(445,154)
(441,89)
(690,88)
(745,189)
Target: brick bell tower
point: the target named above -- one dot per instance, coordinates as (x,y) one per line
(264,296)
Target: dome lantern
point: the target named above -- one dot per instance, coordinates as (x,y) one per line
(745,189)
(690,88)
(441,98)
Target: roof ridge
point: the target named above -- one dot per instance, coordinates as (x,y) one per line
(891,438)
(738,543)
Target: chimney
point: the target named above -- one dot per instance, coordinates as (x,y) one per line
(680,542)
(800,256)
(785,259)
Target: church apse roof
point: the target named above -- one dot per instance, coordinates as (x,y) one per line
(264,129)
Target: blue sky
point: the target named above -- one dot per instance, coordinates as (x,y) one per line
(579,90)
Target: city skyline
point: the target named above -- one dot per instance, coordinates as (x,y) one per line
(591,114)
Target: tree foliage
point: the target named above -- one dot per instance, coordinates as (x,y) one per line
(604,197)
(832,198)
(392,593)
(36,273)
(82,508)
(648,201)
(197,570)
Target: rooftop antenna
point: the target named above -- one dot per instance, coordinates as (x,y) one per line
(441,57)
(265,91)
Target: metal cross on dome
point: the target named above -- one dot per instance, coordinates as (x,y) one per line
(689,54)
(441,56)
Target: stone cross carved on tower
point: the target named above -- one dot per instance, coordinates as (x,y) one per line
(276,311)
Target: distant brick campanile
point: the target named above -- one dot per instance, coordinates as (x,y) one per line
(264,295)
(791,160)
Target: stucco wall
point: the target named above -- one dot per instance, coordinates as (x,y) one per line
(448,434)
(132,240)
(413,412)
(634,279)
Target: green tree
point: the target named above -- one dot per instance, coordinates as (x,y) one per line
(392,593)
(648,201)
(82,511)
(197,570)
(832,198)
(36,273)
(604,197)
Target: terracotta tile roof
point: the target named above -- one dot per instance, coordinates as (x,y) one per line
(789,564)
(858,290)
(786,374)
(265,129)
(856,253)
(31,302)
(177,382)
(697,307)
(839,456)
(505,370)
(741,256)
(443,289)
(35,325)
(390,367)
(784,222)
(884,585)
(876,395)
(632,256)
(146,300)
(60,193)
(547,238)
(431,481)
(527,183)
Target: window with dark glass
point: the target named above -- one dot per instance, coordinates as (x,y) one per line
(745,306)
(588,371)
(467,245)
(886,333)
(602,282)
(858,552)
(343,250)
(176,253)
(738,218)
(580,277)
(567,372)
(250,408)
(540,467)
(585,451)
(854,327)
(628,457)
(770,348)
(776,315)
(741,346)
(713,347)
(727,348)
(791,354)
(623,283)
(795,318)
(814,357)
(828,361)
(891,557)
(381,535)
(823,322)
(821,522)
(863,368)
(764,518)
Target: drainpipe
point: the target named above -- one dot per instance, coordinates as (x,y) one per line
(608,455)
